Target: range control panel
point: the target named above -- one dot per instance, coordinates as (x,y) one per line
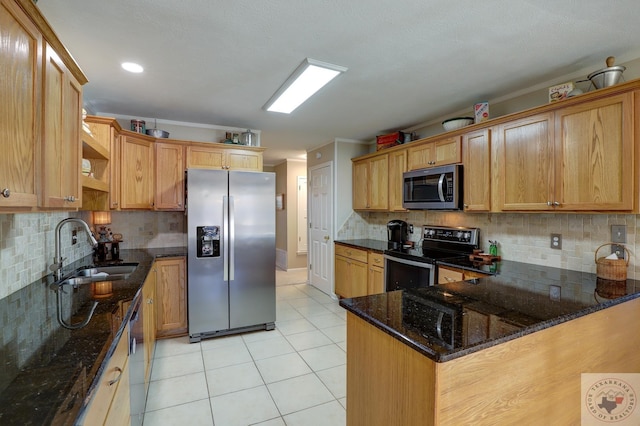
(451,234)
(208,241)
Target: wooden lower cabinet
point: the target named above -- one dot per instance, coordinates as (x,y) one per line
(110,403)
(375,280)
(149,322)
(536,376)
(351,272)
(358,272)
(171,297)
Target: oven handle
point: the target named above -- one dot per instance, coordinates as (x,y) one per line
(408,262)
(441,187)
(439,325)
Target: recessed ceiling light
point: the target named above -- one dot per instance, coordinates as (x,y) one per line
(132,67)
(306,80)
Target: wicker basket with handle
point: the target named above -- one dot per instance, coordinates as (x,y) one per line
(612,269)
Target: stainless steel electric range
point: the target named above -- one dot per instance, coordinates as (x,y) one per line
(416,267)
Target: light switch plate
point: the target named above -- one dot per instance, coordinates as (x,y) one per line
(618,233)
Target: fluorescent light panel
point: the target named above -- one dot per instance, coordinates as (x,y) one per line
(306,80)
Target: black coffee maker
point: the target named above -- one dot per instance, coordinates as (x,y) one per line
(397,233)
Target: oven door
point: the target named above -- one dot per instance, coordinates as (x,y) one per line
(400,274)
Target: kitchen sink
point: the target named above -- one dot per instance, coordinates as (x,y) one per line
(99,273)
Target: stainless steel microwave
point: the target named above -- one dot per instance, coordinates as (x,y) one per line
(436,188)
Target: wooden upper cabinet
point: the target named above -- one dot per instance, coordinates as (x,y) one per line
(371,183)
(137,172)
(61,142)
(170,167)
(223,157)
(240,159)
(476,148)
(397,166)
(204,157)
(524,160)
(20,83)
(594,155)
(436,153)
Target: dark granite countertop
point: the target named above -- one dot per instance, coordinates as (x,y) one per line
(35,394)
(366,244)
(519,295)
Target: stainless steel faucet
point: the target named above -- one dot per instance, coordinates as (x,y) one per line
(56,267)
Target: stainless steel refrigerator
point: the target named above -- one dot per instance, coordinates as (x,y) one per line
(231,248)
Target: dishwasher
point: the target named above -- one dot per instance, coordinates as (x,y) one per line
(136,364)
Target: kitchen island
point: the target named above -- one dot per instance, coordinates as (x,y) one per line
(521,341)
(50,373)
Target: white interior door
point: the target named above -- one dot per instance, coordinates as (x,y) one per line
(302,216)
(320,227)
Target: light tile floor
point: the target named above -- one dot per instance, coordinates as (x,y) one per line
(293,375)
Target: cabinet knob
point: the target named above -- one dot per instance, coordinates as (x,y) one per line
(549,203)
(70,198)
(465,206)
(556,204)
(6,193)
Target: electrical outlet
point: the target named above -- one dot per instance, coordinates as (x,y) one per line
(554,292)
(618,233)
(411,228)
(556,241)
(618,249)
(74,237)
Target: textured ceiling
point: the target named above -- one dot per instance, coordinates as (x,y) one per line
(410,61)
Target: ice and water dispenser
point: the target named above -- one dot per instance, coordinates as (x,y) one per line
(208,241)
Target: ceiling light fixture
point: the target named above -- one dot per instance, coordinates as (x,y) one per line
(132,67)
(306,80)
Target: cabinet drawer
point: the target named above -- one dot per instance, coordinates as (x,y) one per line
(351,253)
(446,275)
(376,259)
(112,376)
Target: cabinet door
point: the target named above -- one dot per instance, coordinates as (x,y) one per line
(361,185)
(239,159)
(397,166)
(524,156)
(375,280)
(20,83)
(169,180)
(477,171)
(421,156)
(62,100)
(115,167)
(171,297)
(378,190)
(447,151)
(204,157)
(594,155)
(149,322)
(350,277)
(341,280)
(136,174)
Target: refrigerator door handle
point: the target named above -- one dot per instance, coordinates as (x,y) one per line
(232,239)
(225,230)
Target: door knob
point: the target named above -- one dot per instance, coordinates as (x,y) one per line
(326,238)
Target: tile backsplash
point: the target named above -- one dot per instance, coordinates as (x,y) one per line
(521,237)
(27,240)
(27,246)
